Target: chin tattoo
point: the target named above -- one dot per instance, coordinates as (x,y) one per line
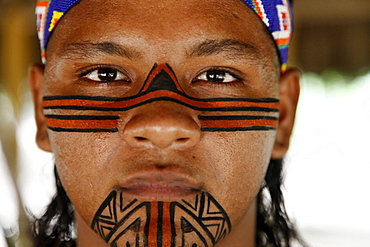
(198,221)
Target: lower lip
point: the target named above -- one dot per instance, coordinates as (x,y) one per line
(159,193)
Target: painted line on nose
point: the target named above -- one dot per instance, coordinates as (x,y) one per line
(124,104)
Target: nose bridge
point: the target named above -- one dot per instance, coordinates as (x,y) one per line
(162,123)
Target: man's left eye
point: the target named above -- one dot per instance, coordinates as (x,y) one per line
(106,75)
(217,76)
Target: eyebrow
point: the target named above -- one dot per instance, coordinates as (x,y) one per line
(89,49)
(233,49)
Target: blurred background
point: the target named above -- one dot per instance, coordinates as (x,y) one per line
(327,168)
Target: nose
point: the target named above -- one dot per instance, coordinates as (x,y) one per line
(162,125)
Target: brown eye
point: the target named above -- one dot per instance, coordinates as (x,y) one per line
(106,75)
(217,76)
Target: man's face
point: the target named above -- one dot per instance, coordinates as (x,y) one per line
(161,150)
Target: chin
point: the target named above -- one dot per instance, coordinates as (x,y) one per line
(196,220)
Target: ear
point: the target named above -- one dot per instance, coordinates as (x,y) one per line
(36,78)
(289,94)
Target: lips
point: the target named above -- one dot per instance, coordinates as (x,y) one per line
(159,186)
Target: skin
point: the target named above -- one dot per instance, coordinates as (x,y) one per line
(163,139)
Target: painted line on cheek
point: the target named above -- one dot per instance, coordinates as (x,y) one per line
(237,123)
(233,129)
(99,123)
(82,123)
(124,104)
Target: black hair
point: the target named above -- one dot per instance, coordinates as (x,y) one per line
(57,227)
(274,228)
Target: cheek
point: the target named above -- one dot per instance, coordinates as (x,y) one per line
(81,160)
(239,167)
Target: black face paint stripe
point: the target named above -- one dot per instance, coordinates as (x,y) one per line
(81,117)
(237,123)
(118,99)
(82,123)
(233,129)
(237,117)
(82,105)
(58,129)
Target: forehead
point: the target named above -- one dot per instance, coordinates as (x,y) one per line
(162,29)
(157,23)
(146,12)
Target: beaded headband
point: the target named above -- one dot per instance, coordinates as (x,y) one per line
(276,15)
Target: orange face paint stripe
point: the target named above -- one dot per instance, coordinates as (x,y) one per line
(160,225)
(238,123)
(166,226)
(152,235)
(161,95)
(82,124)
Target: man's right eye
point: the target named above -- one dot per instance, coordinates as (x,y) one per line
(105,75)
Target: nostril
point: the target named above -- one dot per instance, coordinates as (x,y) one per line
(140,138)
(182,140)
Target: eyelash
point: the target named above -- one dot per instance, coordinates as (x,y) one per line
(94,72)
(201,77)
(226,72)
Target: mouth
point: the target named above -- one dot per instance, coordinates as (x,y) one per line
(159,193)
(159,186)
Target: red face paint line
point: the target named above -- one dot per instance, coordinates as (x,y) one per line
(201,222)
(162,85)
(82,123)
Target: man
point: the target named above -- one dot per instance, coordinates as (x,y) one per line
(163,117)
